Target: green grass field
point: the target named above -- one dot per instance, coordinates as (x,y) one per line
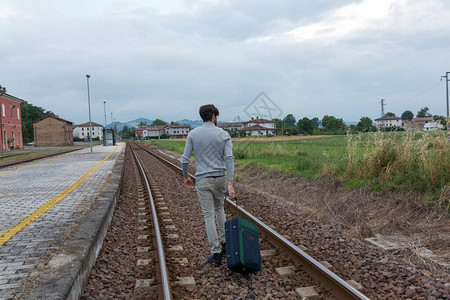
(417,162)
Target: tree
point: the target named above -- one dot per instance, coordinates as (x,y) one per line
(365,124)
(441,120)
(159,122)
(142,124)
(305,126)
(389,114)
(174,123)
(333,124)
(423,112)
(31,113)
(280,125)
(316,122)
(407,115)
(128,133)
(290,120)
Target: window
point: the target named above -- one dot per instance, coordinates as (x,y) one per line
(18,115)
(82,129)
(19,138)
(5,139)
(11,111)
(82,133)
(3,109)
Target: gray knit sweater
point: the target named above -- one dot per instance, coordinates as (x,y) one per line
(213,152)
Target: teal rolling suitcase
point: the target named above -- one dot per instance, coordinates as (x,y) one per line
(242,246)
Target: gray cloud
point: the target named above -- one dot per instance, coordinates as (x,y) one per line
(163,60)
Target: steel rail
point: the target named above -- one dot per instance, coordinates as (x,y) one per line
(163,274)
(340,288)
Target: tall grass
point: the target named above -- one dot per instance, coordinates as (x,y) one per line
(418,161)
(405,161)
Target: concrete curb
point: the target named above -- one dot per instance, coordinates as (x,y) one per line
(67,272)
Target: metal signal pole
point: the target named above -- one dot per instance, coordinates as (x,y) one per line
(382,107)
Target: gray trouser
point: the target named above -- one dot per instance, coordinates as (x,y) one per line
(210,193)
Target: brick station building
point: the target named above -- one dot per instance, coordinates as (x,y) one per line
(53,131)
(10,122)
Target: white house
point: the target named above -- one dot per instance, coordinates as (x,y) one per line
(177,131)
(430,126)
(82,131)
(259,127)
(147,132)
(173,131)
(231,126)
(389,121)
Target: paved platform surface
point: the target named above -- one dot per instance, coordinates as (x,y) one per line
(53,217)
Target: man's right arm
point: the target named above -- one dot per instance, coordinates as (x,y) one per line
(185,160)
(186,157)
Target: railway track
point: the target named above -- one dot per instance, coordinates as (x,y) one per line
(162,273)
(338,287)
(123,271)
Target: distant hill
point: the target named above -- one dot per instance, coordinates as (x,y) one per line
(135,123)
(130,124)
(192,123)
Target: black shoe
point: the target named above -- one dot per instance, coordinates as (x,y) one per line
(224,248)
(215,259)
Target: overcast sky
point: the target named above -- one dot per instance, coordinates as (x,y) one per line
(163,59)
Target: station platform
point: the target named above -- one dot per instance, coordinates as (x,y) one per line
(54,214)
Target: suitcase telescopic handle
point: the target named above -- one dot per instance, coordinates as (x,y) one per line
(226,205)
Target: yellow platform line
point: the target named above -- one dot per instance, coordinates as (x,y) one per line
(36,164)
(12,231)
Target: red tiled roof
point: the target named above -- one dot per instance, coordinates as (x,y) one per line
(259,121)
(151,128)
(50,116)
(87,124)
(230,124)
(257,127)
(423,119)
(388,118)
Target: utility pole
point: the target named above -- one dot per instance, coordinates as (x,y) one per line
(382,107)
(446,88)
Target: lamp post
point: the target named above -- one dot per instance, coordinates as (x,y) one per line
(2,91)
(89,104)
(104,131)
(104,106)
(111,120)
(448,117)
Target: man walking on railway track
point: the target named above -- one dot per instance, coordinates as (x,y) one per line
(214,158)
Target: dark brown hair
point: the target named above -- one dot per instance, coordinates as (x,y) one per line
(207,111)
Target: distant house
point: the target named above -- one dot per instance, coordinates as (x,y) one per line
(146,132)
(425,123)
(431,126)
(172,131)
(389,121)
(423,120)
(82,131)
(258,127)
(231,126)
(177,131)
(11,131)
(52,131)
